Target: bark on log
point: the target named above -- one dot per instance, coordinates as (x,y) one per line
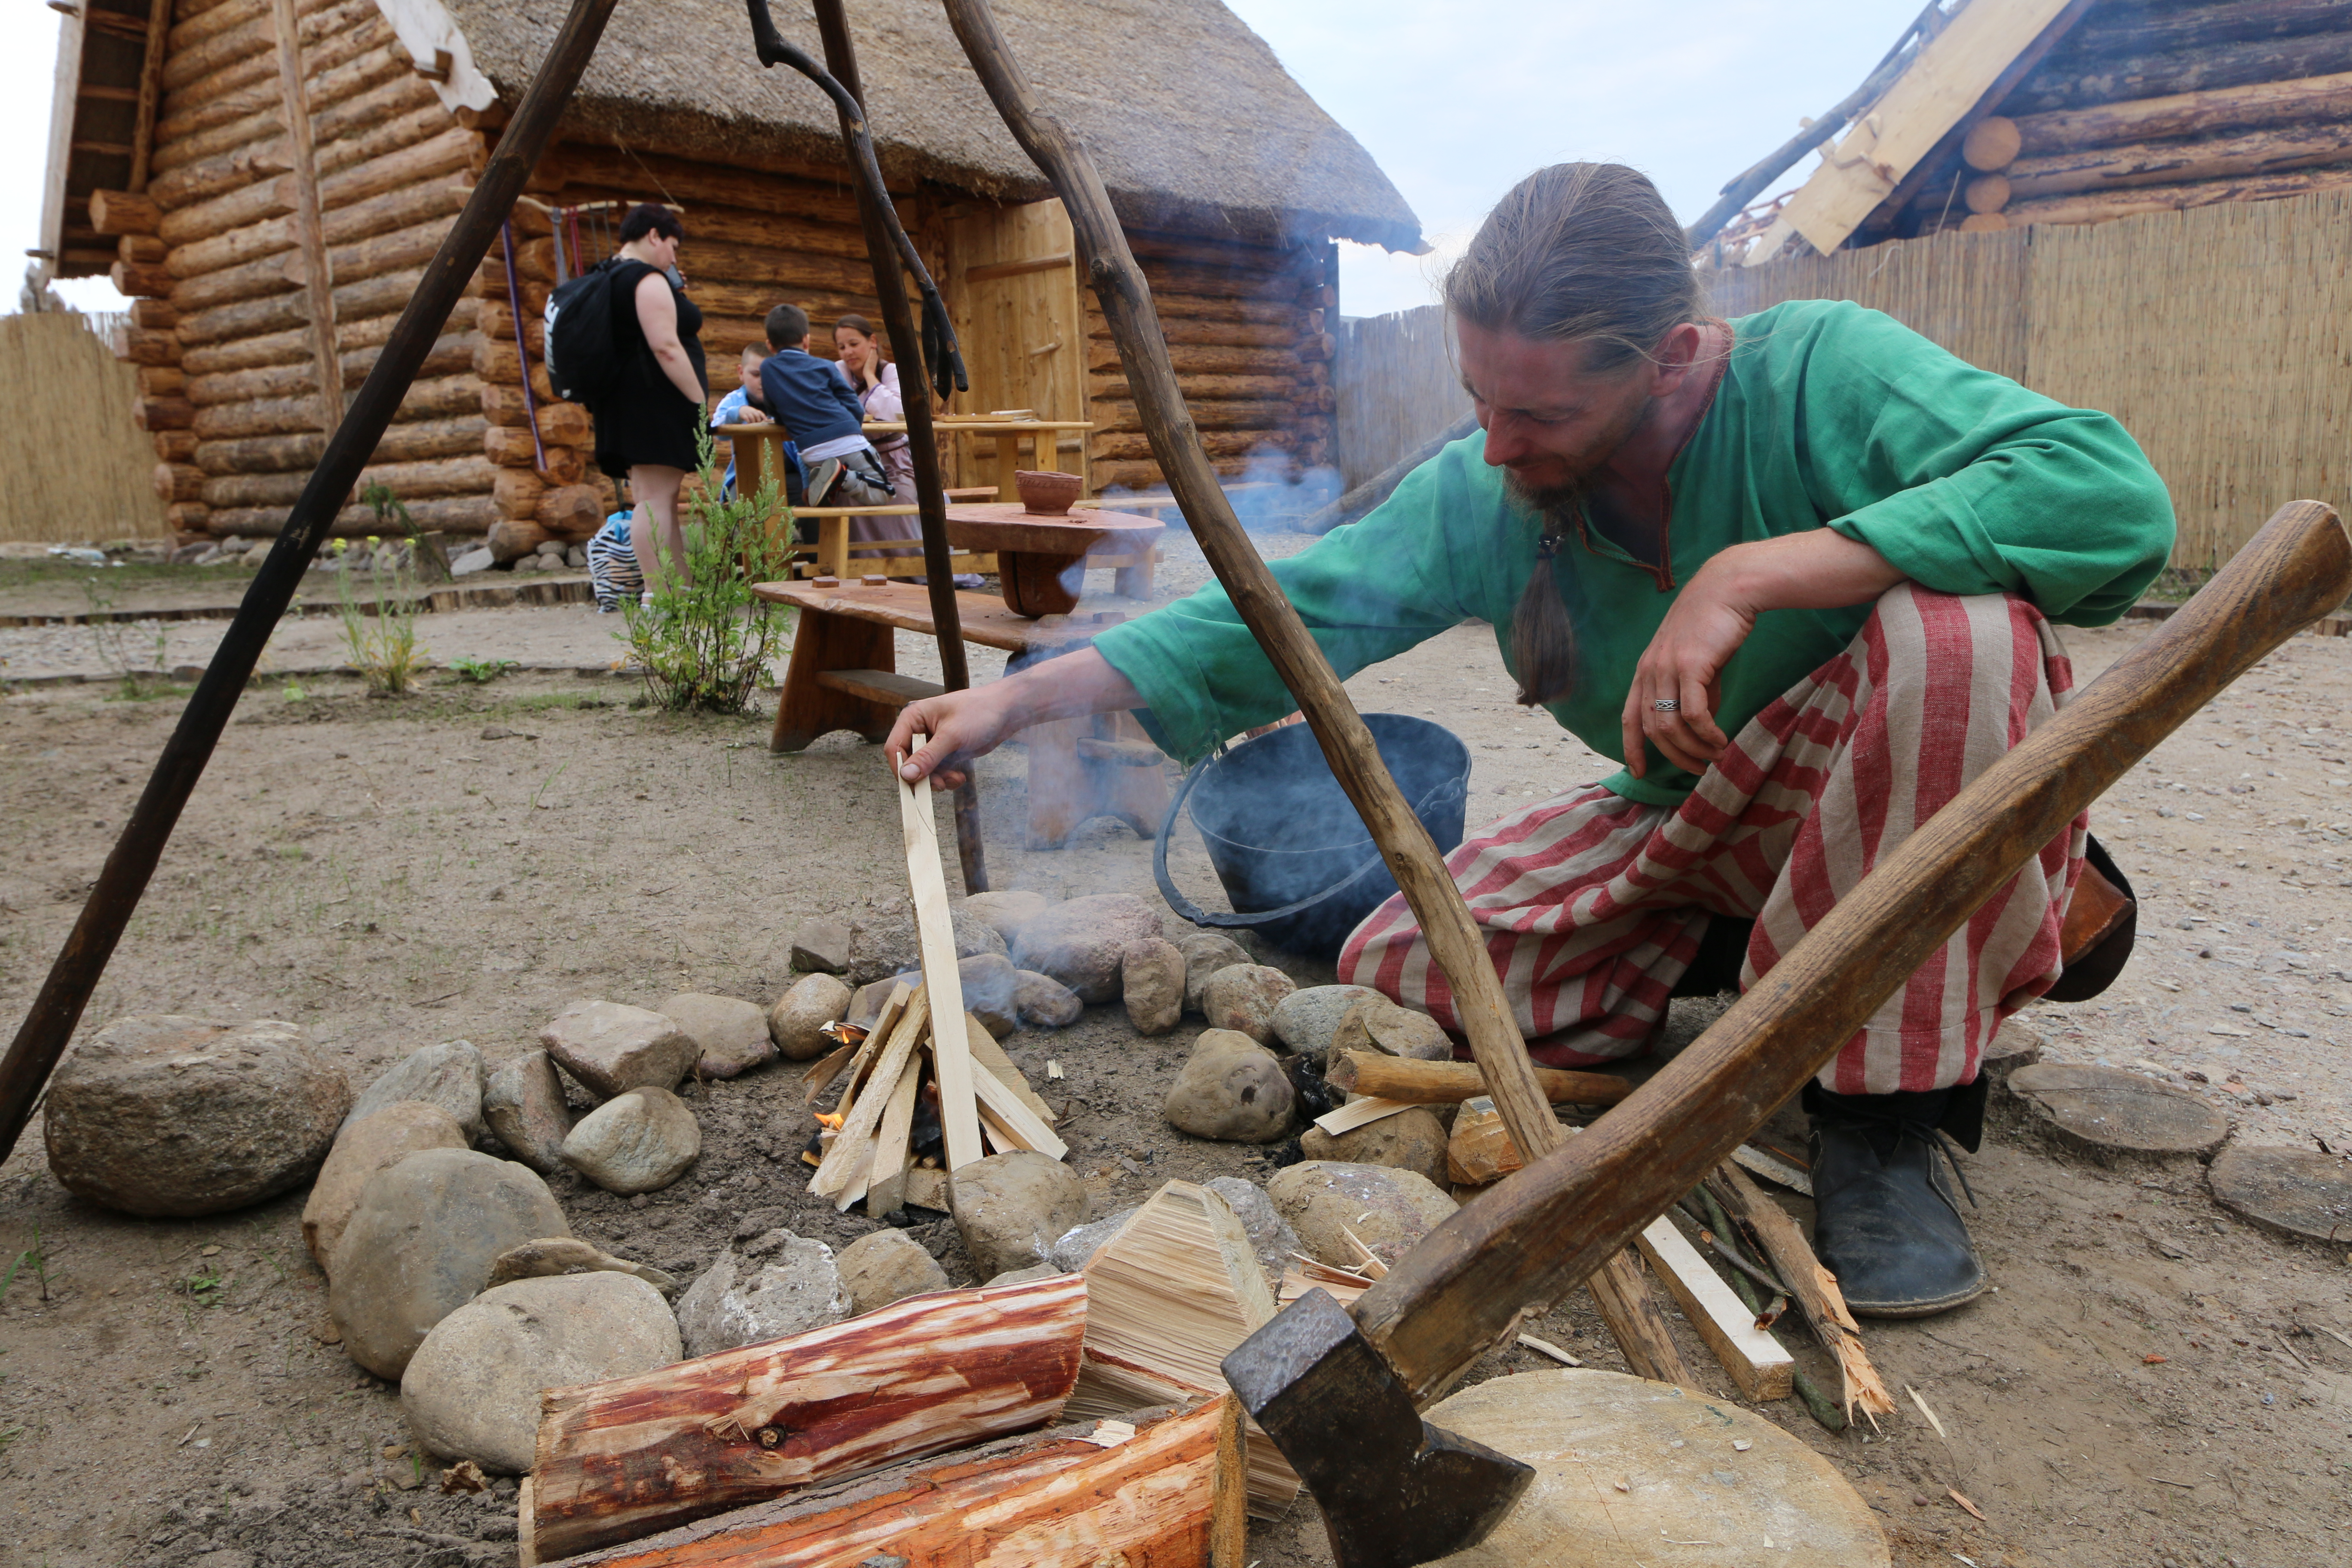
(456,151)
(202,19)
(348,19)
(1203,358)
(2187,114)
(437,198)
(2149,76)
(398,113)
(2144,30)
(120,211)
(262,454)
(2097,207)
(437,397)
(571,512)
(2179,162)
(696,184)
(448,356)
(164,414)
(454,514)
(179,482)
(619,1459)
(1168,1497)
(379,295)
(1446,1083)
(206,127)
(142,346)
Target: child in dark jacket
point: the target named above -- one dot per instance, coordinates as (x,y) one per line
(815,404)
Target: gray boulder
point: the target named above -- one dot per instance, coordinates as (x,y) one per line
(472,1389)
(448,1075)
(884,945)
(1082,942)
(422,1241)
(732,1035)
(1007,912)
(161,1115)
(1151,982)
(887,1266)
(612,1047)
(524,1104)
(1012,1209)
(1080,1243)
(640,1142)
(1043,1001)
(821,947)
(1205,952)
(1243,998)
(990,984)
(790,1286)
(1231,1088)
(813,1002)
(1388,1209)
(1306,1019)
(378,1144)
(1409,1140)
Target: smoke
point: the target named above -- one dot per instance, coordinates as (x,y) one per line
(1270,495)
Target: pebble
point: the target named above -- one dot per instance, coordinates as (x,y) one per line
(1242,996)
(640,1142)
(1151,980)
(422,1241)
(1007,912)
(813,1002)
(731,1033)
(612,1047)
(1083,942)
(1231,1088)
(162,1115)
(472,1389)
(1043,1001)
(523,1103)
(989,985)
(377,1143)
(1012,1209)
(1307,1018)
(887,1266)
(1205,952)
(448,1074)
(884,945)
(822,947)
(1389,1210)
(1409,1140)
(789,1285)
(551,1254)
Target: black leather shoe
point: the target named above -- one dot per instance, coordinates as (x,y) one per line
(1886,1222)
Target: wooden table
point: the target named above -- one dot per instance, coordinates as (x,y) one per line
(1007,434)
(1036,551)
(759,451)
(843,675)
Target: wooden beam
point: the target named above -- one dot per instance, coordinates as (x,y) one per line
(309,221)
(150,92)
(844,1173)
(1442,1083)
(1753,1360)
(1083,1495)
(2309,100)
(621,1459)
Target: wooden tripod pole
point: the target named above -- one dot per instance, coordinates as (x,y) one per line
(1412,855)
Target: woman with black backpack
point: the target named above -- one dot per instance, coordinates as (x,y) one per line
(651,410)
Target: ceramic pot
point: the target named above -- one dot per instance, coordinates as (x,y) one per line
(1047,494)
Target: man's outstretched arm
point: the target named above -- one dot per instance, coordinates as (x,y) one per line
(972,723)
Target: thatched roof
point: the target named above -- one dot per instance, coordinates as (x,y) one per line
(1192,122)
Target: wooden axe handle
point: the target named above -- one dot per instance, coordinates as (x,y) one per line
(1547,1227)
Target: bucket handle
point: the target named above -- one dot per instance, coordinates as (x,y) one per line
(1236,919)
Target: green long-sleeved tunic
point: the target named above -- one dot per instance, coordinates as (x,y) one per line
(1827,414)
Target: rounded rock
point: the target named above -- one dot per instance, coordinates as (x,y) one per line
(1205,952)
(790,1285)
(887,1266)
(886,945)
(1231,1088)
(1151,980)
(612,1047)
(1042,1000)
(1082,942)
(378,1144)
(989,985)
(640,1142)
(1409,1140)
(1307,1018)
(794,1022)
(524,1104)
(472,1389)
(167,1116)
(422,1242)
(448,1075)
(1007,912)
(731,1034)
(1012,1209)
(1243,998)
(1389,1210)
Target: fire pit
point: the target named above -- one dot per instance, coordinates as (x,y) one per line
(1038,554)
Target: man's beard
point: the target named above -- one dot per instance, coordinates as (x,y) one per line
(1565,499)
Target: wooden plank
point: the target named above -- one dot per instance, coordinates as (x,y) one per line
(879,685)
(846,1163)
(950,1051)
(1085,1495)
(150,92)
(309,223)
(991,1056)
(1949,76)
(619,1459)
(1010,1112)
(886,1182)
(1360,1112)
(1755,1362)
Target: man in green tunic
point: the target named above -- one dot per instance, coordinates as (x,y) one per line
(1796,571)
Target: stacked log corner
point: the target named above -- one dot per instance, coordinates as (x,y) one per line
(1248,329)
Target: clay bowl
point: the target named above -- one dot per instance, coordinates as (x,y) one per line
(1046,494)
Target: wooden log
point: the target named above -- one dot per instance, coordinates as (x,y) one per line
(221,48)
(1118,413)
(2097,207)
(1443,1083)
(1220,283)
(352,336)
(262,454)
(1748,1356)
(448,356)
(2225,156)
(2187,114)
(155,315)
(2142,29)
(466,474)
(513,448)
(565,424)
(1991,144)
(1986,193)
(571,512)
(1478,1149)
(188,517)
(1207,359)
(469,515)
(793,275)
(1984,223)
(1134,444)
(436,198)
(608,171)
(353,20)
(384,293)
(497,324)
(438,397)
(202,19)
(1813,1288)
(164,414)
(143,347)
(622,1459)
(512,538)
(174,445)
(340,70)
(456,151)
(2154,75)
(398,115)
(139,247)
(179,482)
(122,212)
(1084,1495)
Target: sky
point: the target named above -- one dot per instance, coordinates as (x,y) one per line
(1455,99)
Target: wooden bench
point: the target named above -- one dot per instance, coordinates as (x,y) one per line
(843,675)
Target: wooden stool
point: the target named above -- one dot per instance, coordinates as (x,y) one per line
(843,675)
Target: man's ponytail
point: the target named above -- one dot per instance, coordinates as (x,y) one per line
(1543,645)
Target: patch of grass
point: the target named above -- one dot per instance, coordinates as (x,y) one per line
(36,1255)
(384,644)
(480,671)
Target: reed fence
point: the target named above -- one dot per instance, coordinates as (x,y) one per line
(73,466)
(1397,387)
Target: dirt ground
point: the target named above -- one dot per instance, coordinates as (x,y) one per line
(2154,1381)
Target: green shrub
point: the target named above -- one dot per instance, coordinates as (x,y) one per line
(705,643)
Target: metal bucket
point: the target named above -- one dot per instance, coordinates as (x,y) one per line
(1295,859)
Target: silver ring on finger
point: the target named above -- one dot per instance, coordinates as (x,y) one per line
(1667,705)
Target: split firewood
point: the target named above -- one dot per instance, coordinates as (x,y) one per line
(1445,1083)
(1304,1274)
(1164,1490)
(935,931)
(1167,1297)
(1480,1150)
(1748,1356)
(620,1459)
(1815,1289)
(847,1164)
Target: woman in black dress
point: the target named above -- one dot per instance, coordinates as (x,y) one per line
(646,428)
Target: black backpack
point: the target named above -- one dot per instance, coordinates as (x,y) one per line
(584,358)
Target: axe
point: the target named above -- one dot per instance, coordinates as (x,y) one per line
(1339,1394)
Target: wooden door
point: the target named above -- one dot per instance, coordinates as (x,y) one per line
(1013,289)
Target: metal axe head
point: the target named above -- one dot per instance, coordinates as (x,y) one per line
(1395,1491)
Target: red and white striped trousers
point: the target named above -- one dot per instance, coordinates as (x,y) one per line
(1593,904)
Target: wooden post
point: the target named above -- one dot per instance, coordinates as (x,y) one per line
(309,222)
(1412,857)
(151,92)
